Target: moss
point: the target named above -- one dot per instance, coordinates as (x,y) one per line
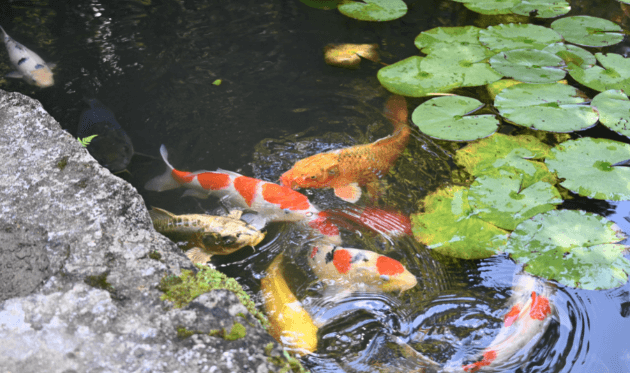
(287,363)
(184,333)
(100,282)
(183,289)
(238,331)
(155,255)
(62,163)
(82,184)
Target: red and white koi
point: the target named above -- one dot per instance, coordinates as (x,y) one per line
(271,201)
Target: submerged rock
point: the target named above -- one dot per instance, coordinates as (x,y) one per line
(81,266)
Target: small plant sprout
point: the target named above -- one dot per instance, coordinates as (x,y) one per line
(86,140)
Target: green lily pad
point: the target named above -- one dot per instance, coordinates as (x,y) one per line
(572,54)
(374,10)
(614,111)
(588,31)
(542,8)
(586,164)
(490,6)
(614,75)
(517,36)
(440,37)
(467,60)
(449,227)
(548,107)
(500,154)
(407,78)
(443,118)
(505,202)
(529,65)
(575,248)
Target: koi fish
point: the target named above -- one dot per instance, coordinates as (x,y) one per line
(290,324)
(112,147)
(30,67)
(272,202)
(346,170)
(206,235)
(351,268)
(524,324)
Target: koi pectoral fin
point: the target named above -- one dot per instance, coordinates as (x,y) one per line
(349,193)
(197,256)
(14,75)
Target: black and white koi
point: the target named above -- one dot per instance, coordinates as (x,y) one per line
(29,66)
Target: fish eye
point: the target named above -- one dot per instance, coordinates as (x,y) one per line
(384,277)
(313,177)
(228,240)
(309,214)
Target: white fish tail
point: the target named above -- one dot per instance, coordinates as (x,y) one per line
(164,181)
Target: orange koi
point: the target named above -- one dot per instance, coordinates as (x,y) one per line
(346,170)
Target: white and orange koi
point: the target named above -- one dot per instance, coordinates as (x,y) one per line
(524,324)
(29,66)
(352,269)
(271,201)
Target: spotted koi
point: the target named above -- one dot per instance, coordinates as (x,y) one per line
(29,66)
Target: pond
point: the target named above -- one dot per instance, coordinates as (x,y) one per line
(242,86)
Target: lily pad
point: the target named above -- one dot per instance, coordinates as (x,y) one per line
(449,226)
(548,107)
(572,54)
(505,202)
(575,248)
(529,65)
(614,111)
(518,36)
(500,154)
(443,118)
(374,10)
(467,60)
(496,87)
(587,166)
(614,75)
(440,37)
(407,78)
(588,31)
(542,8)
(490,6)
(349,55)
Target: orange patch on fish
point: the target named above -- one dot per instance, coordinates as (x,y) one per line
(314,252)
(246,187)
(341,260)
(182,176)
(488,358)
(540,307)
(213,180)
(285,197)
(388,266)
(511,316)
(325,227)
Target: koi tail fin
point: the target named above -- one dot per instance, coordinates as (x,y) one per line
(164,181)
(396,112)
(388,223)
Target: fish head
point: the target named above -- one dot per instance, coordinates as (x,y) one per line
(318,171)
(42,77)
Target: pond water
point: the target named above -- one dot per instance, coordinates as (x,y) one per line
(153,63)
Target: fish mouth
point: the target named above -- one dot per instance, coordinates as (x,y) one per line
(287,181)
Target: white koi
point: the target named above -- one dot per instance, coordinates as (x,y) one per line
(29,66)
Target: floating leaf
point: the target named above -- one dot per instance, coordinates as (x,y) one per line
(574,248)
(406,78)
(490,6)
(572,54)
(614,75)
(588,31)
(349,55)
(614,111)
(500,154)
(499,85)
(449,227)
(587,166)
(548,107)
(529,65)
(374,10)
(440,37)
(443,118)
(467,60)
(505,202)
(542,8)
(517,36)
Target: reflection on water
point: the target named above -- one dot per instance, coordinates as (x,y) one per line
(153,64)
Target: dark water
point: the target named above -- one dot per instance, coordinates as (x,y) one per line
(153,64)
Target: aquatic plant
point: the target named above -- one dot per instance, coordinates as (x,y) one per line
(86,140)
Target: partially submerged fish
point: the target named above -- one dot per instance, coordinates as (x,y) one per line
(112,147)
(29,66)
(206,235)
(346,170)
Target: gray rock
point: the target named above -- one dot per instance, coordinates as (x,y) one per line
(78,289)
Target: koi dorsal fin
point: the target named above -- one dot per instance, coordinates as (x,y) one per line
(157,214)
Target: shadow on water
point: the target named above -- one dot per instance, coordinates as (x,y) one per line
(154,62)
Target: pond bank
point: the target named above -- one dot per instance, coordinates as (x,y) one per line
(81,265)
